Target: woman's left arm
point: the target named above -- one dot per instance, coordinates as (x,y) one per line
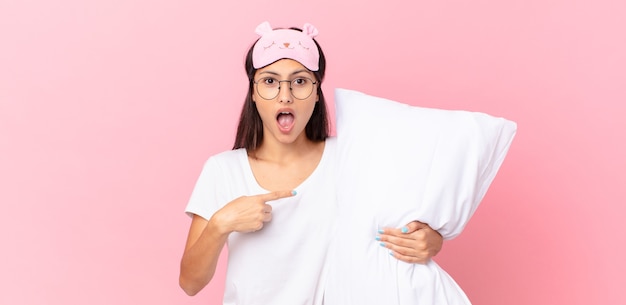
(414,243)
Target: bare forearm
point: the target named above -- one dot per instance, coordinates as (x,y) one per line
(199,261)
(207,238)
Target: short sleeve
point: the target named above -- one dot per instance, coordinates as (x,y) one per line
(204,200)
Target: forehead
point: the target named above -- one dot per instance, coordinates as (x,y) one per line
(284,67)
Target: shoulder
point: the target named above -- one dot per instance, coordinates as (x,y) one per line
(228,155)
(331,141)
(226,159)
(330,146)
(330,151)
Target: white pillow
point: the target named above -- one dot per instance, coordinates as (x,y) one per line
(428,164)
(399,163)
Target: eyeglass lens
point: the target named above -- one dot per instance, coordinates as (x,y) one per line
(269,87)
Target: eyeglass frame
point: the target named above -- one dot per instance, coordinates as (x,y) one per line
(290,88)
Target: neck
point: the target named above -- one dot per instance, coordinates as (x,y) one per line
(277,152)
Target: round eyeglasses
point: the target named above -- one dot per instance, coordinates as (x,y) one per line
(269,87)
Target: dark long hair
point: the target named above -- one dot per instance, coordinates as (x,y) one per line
(250,128)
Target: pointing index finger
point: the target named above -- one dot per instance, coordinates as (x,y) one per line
(277,195)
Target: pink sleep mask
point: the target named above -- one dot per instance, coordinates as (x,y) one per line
(286,43)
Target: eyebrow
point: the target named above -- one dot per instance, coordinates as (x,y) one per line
(293,73)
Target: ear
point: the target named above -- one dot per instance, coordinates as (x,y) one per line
(263,28)
(309,30)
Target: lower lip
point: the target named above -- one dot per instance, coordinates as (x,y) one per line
(285,129)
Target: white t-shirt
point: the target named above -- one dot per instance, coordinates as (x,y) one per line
(283,263)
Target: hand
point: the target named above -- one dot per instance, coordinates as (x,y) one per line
(414,243)
(248,213)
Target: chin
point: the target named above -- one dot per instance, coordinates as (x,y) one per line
(289,138)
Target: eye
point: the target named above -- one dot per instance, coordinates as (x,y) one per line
(269,81)
(302,46)
(300,82)
(267,47)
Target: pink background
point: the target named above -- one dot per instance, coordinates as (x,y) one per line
(108,110)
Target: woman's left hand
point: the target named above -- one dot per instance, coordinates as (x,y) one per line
(414,243)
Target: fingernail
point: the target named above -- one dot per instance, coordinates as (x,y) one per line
(293,193)
(377,237)
(381,231)
(404,229)
(391,253)
(382,244)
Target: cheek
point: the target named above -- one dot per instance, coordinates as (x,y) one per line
(264,113)
(310,108)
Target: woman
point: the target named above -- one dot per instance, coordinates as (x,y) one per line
(272,197)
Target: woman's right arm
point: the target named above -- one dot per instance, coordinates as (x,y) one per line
(207,237)
(204,244)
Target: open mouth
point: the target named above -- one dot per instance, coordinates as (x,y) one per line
(285,119)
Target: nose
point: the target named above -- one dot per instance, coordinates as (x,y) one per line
(286,44)
(284,92)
